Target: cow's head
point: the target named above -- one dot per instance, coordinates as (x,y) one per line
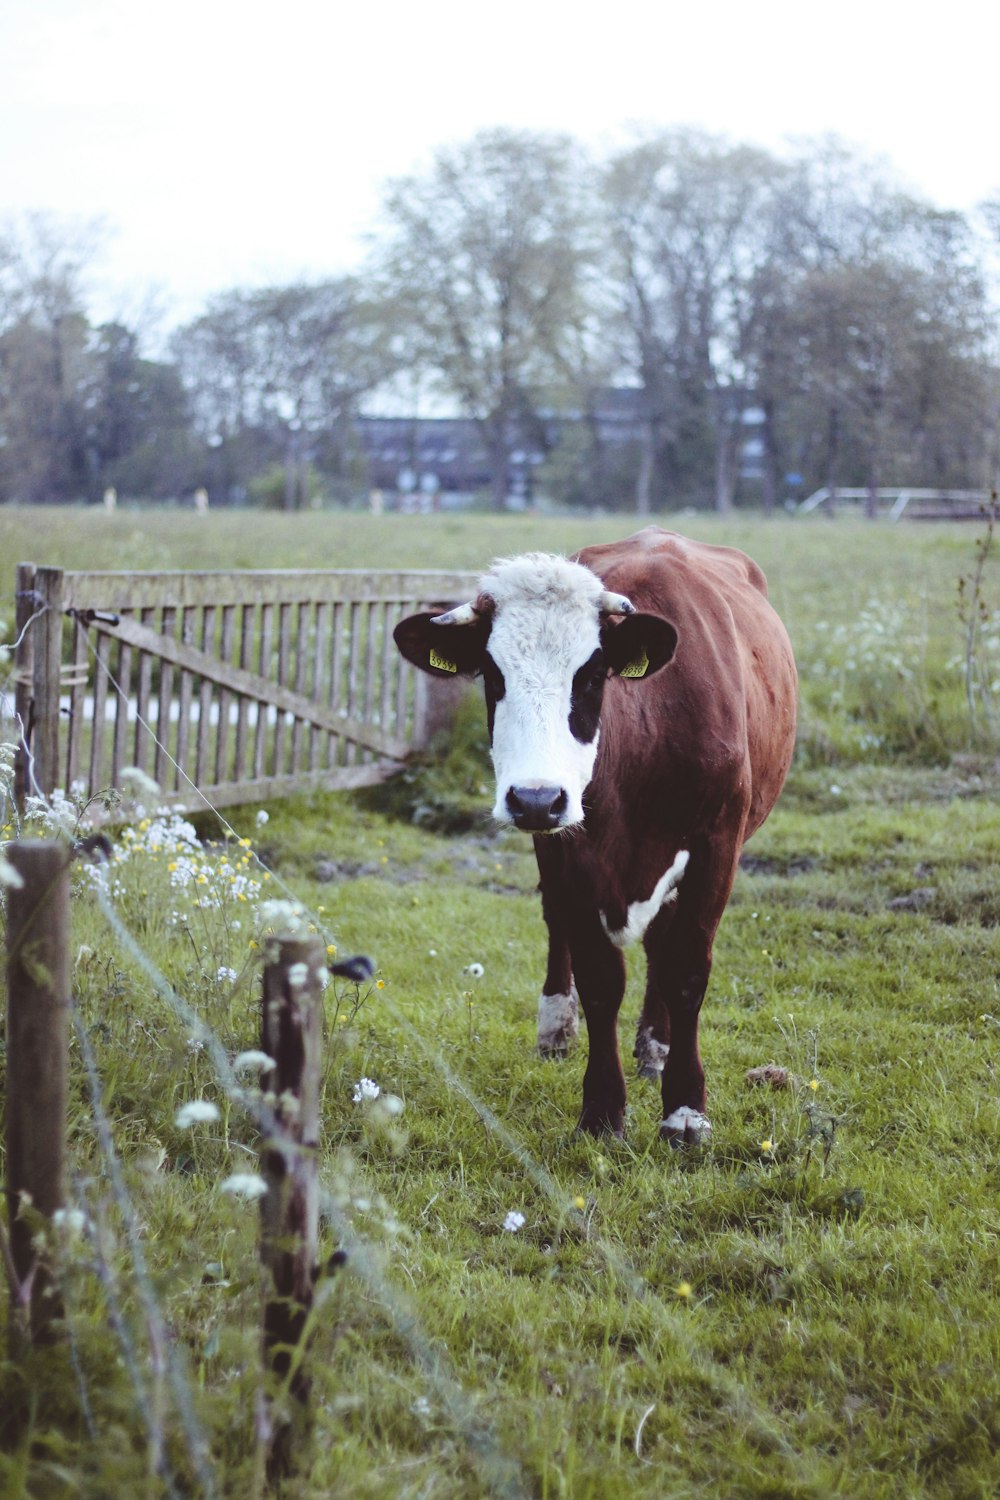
(545,634)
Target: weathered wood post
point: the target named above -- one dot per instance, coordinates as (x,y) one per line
(291,1035)
(38,664)
(38,997)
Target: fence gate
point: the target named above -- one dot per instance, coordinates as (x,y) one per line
(230,687)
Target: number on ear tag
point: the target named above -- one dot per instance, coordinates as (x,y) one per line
(637,668)
(441,662)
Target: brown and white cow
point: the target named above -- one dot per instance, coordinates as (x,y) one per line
(641,699)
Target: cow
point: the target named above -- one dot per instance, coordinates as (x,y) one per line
(641,702)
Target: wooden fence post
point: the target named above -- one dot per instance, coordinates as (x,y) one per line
(37,666)
(38,997)
(291,1035)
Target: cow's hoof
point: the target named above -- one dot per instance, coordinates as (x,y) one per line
(558,1023)
(686,1127)
(650,1055)
(601,1126)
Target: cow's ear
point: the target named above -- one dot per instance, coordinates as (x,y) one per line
(442,650)
(639,646)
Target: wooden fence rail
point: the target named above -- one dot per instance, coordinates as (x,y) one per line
(242,685)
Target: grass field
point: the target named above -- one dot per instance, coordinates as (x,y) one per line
(807,1308)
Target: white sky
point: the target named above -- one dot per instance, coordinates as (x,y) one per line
(228,142)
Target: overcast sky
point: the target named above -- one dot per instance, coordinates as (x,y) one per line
(227,142)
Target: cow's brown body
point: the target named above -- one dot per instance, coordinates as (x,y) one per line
(692,759)
(642,722)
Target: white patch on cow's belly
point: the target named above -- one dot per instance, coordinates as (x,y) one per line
(558,1021)
(641,913)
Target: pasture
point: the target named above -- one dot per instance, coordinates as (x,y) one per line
(805,1308)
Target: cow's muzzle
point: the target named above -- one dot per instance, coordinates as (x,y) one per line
(537,807)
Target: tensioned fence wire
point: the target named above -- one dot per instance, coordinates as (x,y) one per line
(501,1473)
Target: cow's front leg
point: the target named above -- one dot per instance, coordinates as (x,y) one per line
(600,977)
(558,1004)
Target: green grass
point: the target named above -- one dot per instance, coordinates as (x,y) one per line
(814,1319)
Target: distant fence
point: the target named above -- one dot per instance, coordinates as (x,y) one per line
(897,501)
(244,685)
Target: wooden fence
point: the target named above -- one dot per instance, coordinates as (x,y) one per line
(244,686)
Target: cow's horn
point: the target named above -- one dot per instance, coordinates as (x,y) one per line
(462,614)
(615,604)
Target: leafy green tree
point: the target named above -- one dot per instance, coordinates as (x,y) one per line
(486,260)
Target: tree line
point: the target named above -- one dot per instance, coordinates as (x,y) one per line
(803,308)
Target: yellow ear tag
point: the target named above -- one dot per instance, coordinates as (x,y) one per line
(637,668)
(441,662)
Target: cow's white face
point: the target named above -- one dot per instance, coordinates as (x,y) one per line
(544,676)
(545,634)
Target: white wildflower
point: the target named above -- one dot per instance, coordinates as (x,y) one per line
(284,917)
(253,1061)
(70,1221)
(196,1112)
(366,1088)
(474,971)
(244,1185)
(225,974)
(514,1221)
(263,816)
(138,786)
(9,877)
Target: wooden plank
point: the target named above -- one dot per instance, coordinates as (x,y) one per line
(162,758)
(225,697)
(185,699)
(318,686)
(119,741)
(284,658)
(45,684)
(97,778)
(143,682)
(24,652)
(201,756)
(246,646)
(301,653)
(77,682)
(335,698)
(354,636)
(267,788)
(264,677)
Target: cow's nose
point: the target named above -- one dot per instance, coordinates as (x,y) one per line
(537,806)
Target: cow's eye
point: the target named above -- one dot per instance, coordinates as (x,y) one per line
(585,698)
(495,689)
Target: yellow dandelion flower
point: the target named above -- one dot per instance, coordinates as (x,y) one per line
(331,949)
(767,1147)
(245,844)
(579,1202)
(814,1084)
(380,984)
(683,1289)
(172,866)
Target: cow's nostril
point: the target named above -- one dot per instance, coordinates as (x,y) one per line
(537,807)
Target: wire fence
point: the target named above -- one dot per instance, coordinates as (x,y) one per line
(166,1393)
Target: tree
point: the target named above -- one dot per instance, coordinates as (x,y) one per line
(692,224)
(43,344)
(284,362)
(486,261)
